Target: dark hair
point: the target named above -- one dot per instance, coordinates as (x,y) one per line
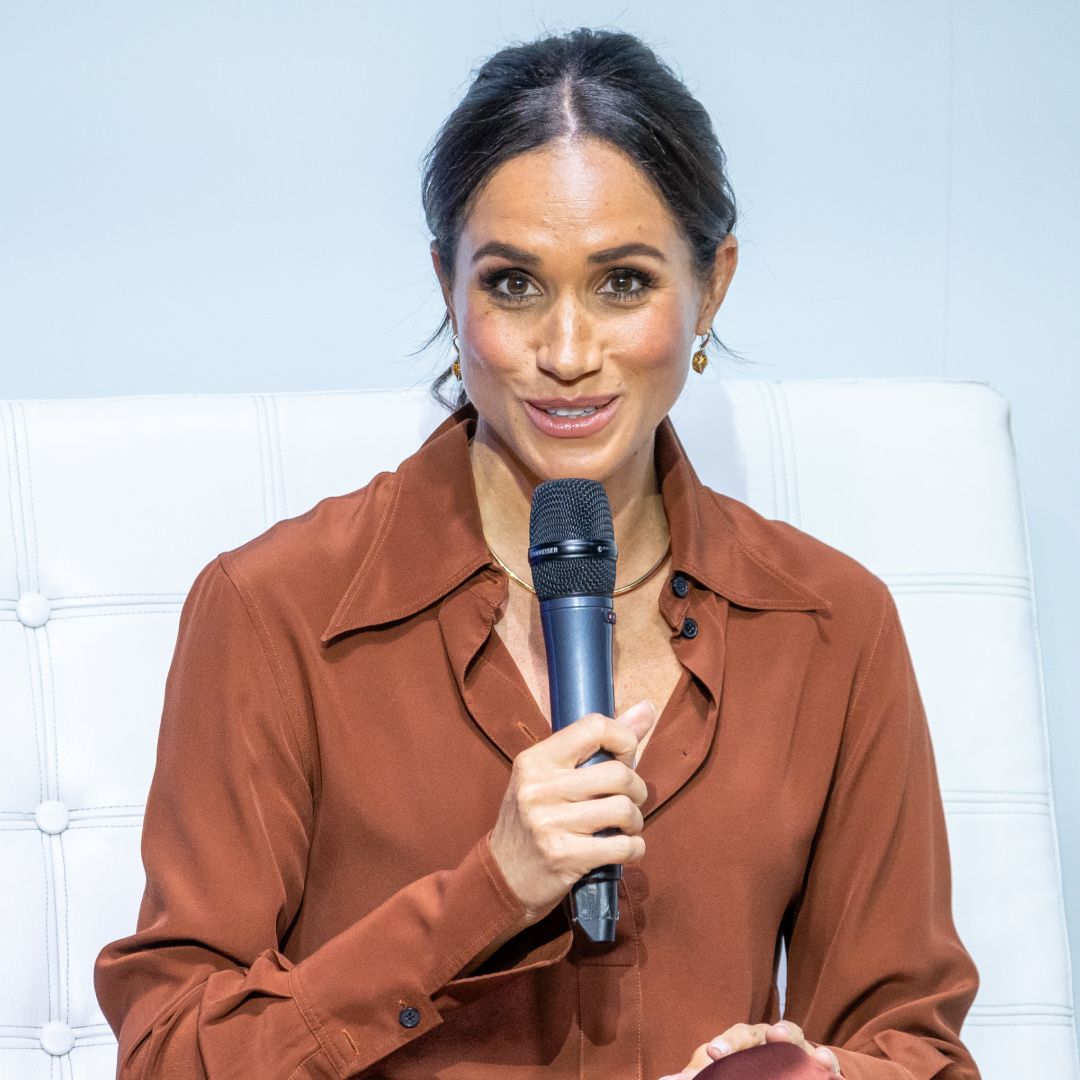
(586,82)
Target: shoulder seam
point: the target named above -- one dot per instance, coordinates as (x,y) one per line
(270,654)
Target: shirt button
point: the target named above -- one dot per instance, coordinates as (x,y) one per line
(680,586)
(689,628)
(409,1017)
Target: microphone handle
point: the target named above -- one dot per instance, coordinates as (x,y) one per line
(577,638)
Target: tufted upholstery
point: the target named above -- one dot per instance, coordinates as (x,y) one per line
(112,505)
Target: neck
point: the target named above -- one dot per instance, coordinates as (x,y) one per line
(504,489)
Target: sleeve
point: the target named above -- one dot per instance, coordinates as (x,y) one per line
(200,989)
(876,970)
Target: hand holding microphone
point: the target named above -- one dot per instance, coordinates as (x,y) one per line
(543,838)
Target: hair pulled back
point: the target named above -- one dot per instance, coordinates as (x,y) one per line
(586,82)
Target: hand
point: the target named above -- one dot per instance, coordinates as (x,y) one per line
(543,839)
(742,1036)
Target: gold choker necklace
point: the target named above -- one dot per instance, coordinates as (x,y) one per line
(618,592)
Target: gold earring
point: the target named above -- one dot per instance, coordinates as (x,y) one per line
(700,360)
(455,367)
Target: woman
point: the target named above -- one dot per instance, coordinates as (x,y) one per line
(361,830)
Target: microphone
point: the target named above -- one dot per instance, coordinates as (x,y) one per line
(572,553)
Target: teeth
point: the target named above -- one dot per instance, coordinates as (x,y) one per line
(571,412)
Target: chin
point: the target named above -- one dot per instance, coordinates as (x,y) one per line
(597,462)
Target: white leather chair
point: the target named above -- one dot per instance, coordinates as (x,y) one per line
(112,505)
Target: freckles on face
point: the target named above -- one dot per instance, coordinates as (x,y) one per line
(572,280)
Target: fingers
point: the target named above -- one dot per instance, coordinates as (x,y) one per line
(742,1036)
(641,719)
(612,812)
(827,1058)
(604,778)
(579,741)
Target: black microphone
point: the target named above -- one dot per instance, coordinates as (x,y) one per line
(572,553)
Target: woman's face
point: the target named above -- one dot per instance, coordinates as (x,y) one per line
(576,304)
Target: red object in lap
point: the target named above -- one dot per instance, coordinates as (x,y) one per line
(769,1061)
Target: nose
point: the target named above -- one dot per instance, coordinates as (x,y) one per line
(569,347)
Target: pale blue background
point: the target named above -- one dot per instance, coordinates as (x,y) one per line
(203,196)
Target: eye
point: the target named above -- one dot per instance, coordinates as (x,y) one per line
(517,285)
(627,284)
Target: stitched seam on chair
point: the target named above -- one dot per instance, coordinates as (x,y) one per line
(1063,1010)
(95,825)
(279,461)
(13,505)
(48,922)
(59,845)
(24,510)
(29,517)
(790,458)
(260,423)
(274,663)
(46,653)
(107,614)
(35,712)
(774,466)
(37,703)
(67,932)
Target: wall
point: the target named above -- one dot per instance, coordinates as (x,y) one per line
(207,197)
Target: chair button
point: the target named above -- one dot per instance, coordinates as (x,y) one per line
(56,1038)
(689,628)
(409,1017)
(680,586)
(52,817)
(33,609)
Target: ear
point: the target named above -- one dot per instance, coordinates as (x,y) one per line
(444,281)
(723,270)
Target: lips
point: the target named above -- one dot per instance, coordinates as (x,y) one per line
(594,402)
(572,418)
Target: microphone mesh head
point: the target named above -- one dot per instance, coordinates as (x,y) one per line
(571,509)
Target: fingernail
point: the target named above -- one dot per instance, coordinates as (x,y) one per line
(720,1046)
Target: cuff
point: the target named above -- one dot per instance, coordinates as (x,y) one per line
(369,990)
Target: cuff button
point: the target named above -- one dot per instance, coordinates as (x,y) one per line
(409,1017)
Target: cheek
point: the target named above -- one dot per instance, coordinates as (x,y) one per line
(655,345)
(495,342)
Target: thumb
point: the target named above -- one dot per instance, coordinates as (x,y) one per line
(640,719)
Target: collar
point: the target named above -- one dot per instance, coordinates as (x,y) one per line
(430,539)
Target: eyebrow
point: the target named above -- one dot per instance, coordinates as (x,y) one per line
(527,258)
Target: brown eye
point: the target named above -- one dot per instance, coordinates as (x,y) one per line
(626,285)
(509,285)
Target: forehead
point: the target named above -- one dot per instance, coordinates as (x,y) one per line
(570,196)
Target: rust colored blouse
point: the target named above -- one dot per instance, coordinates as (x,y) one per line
(339,722)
